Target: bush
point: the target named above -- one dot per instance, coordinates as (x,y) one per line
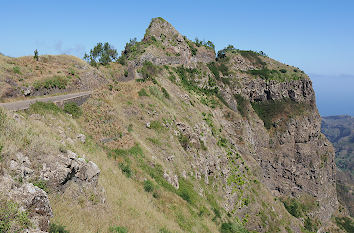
(165,93)
(101,54)
(191,47)
(149,71)
(143,92)
(16,70)
(126,169)
(56,228)
(73,109)
(118,229)
(59,82)
(148,186)
(42,108)
(293,207)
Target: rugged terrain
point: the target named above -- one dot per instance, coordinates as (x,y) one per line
(173,139)
(340,131)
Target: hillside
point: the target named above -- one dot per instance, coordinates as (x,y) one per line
(340,131)
(175,138)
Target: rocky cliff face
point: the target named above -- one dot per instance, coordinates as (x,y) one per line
(226,142)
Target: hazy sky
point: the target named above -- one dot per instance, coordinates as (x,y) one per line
(316,36)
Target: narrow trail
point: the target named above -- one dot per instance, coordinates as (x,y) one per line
(79,97)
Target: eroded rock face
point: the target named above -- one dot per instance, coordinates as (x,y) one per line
(174,49)
(30,199)
(69,168)
(56,173)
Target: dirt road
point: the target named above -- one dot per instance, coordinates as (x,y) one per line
(60,99)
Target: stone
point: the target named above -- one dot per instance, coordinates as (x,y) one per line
(81,138)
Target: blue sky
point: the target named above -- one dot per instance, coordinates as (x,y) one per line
(317,36)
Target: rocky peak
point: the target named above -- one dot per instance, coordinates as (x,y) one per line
(160,29)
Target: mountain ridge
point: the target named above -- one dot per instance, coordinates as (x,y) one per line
(224,143)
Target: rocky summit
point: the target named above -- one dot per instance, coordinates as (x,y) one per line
(175,137)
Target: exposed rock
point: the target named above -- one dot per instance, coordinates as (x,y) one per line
(81,137)
(70,168)
(31,199)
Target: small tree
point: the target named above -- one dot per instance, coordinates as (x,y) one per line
(101,54)
(36,57)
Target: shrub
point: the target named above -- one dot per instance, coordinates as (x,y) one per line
(101,54)
(16,70)
(142,92)
(283,71)
(36,57)
(59,82)
(42,108)
(57,228)
(148,186)
(126,169)
(73,109)
(165,93)
(149,71)
(309,224)
(118,229)
(293,207)
(241,104)
(184,141)
(191,47)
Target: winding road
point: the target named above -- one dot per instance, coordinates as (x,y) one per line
(78,98)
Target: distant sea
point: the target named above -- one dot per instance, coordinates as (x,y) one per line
(334,94)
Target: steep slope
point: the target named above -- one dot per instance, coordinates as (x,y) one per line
(25,77)
(193,144)
(340,131)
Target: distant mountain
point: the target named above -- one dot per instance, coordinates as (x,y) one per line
(340,131)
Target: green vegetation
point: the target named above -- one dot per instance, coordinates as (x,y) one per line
(149,71)
(209,45)
(36,57)
(270,110)
(230,227)
(101,54)
(57,228)
(278,75)
(186,191)
(156,125)
(16,70)
(134,151)
(42,184)
(126,169)
(43,108)
(73,109)
(142,92)
(12,218)
(254,57)
(148,186)
(191,46)
(345,223)
(241,104)
(118,229)
(59,82)
(165,93)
